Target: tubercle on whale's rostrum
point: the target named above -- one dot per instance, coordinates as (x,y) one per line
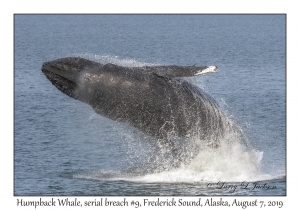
(155,106)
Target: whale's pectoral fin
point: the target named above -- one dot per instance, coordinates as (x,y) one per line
(181,71)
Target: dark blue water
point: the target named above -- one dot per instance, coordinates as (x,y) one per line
(61,147)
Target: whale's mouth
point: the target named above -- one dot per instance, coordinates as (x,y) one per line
(65,74)
(61,68)
(68,69)
(54,71)
(60,80)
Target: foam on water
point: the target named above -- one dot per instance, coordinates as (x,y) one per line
(211,166)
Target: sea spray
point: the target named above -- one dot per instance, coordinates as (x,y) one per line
(105,59)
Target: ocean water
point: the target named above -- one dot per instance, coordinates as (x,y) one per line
(62,147)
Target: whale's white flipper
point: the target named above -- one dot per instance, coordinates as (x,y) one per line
(207,70)
(180,71)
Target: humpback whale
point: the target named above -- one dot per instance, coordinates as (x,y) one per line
(157,100)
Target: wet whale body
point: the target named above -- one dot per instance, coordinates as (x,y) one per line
(154,99)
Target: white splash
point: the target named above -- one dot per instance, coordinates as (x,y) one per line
(230,163)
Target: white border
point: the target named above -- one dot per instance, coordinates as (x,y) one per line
(8,8)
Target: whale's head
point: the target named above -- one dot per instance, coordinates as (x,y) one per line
(67,74)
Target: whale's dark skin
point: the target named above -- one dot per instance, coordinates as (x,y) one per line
(151,98)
